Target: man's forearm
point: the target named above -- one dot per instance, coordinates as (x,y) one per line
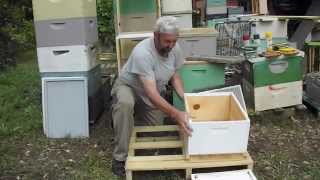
(162,104)
(178,85)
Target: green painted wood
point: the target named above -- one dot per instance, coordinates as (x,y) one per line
(50,10)
(199,76)
(138,7)
(216,3)
(313,44)
(264,72)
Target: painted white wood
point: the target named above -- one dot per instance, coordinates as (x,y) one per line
(228,175)
(138,22)
(204,46)
(176,6)
(218,136)
(66,58)
(278,95)
(236,90)
(271,24)
(65,107)
(184,20)
(216,10)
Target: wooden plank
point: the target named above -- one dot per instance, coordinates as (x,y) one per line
(128,175)
(158,8)
(157,139)
(118,54)
(194,162)
(156,145)
(155,158)
(156,128)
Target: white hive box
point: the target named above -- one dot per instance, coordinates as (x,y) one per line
(279,28)
(231,175)
(220,124)
(198,42)
(184,20)
(176,6)
(66,58)
(65,107)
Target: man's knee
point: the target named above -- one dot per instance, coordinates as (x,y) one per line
(125,105)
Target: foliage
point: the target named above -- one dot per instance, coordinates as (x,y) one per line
(16,29)
(105,15)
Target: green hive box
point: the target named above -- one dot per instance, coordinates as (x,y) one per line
(197,76)
(261,71)
(63,9)
(216,2)
(137,7)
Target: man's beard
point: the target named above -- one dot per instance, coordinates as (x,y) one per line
(165,51)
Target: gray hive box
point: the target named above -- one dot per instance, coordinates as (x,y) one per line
(66,32)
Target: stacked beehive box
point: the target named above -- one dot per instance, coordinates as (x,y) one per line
(275,83)
(181,9)
(216,9)
(66,33)
(136,16)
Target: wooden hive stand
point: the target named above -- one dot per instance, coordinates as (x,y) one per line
(178,161)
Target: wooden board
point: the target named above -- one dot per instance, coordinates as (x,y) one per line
(175,161)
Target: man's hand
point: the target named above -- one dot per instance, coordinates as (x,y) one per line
(182,120)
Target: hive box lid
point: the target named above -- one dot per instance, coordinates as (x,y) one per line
(231,175)
(236,90)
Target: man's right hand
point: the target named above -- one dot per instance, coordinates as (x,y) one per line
(182,120)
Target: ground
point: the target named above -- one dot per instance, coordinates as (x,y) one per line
(284,145)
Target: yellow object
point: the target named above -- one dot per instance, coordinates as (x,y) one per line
(288,51)
(268,35)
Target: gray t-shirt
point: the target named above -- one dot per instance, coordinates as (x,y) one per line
(146,61)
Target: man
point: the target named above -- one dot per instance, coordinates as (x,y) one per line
(137,92)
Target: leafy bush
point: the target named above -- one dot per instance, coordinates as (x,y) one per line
(106,22)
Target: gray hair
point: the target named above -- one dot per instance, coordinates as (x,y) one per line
(167,24)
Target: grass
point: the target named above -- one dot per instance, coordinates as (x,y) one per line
(20,97)
(283,146)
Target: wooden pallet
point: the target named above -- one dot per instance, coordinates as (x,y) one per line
(179,161)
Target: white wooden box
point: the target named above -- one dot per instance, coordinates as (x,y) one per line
(217,10)
(176,6)
(228,175)
(279,28)
(198,42)
(273,96)
(66,58)
(138,22)
(184,20)
(220,125)
(65,107)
